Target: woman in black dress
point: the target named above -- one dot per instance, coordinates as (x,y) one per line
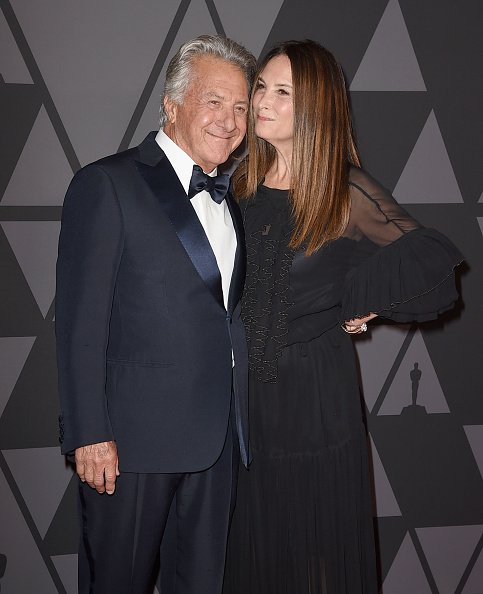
(328,249)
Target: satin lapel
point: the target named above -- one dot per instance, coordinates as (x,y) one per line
(239,268)
(165,185)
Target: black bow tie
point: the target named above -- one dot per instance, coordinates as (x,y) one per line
(217,186)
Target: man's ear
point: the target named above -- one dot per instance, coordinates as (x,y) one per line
(171,110)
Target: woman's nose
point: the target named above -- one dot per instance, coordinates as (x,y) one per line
(263,101)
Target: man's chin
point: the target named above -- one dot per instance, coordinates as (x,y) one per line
(219,157)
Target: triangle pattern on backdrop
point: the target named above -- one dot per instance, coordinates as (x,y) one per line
(385,501)
(35,246)
(480,223)
(19,312)
(429,393)
(98,90)
(42,477)
(196,19)
(12,66)
(390,533)
(474,584)
(32,182)
(19,107)
(474,433)
(13,354)
(66,566)
(30,418)
(62,537)
(428,177)
(376,356)
(389,63)
(385,141)
(406,574)
(255,28)
(448,550)
(18,544)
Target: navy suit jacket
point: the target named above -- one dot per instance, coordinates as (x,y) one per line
(144,342)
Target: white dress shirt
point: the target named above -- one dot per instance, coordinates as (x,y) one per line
(215,218)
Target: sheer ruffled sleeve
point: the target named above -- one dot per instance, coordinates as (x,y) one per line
(408,274)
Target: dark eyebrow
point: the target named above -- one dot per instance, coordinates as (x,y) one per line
(276,84)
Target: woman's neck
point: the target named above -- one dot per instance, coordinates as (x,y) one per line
(279,175)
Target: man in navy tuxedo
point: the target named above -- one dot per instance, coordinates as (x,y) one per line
(151,349)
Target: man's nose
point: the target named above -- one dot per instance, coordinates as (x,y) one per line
(227,120)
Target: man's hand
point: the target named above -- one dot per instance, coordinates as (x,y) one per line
(97,465)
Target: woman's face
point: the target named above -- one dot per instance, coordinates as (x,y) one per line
(272,103)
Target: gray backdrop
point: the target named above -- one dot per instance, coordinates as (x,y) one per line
(79,80)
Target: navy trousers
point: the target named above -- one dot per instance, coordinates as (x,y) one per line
(121,534)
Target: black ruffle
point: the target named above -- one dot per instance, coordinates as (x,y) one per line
(411,279)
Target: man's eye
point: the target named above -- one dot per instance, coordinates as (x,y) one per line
(214,102)
(241,109)
(282,92)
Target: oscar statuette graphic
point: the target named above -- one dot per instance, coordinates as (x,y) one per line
(415,409)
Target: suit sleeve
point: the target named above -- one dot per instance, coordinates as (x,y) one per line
(90,247)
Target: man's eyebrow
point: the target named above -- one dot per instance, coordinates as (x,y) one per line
(214,95)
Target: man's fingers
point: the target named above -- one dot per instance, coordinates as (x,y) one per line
(89,475)
(80,469)
(97,465)
(99,482)
(110,476)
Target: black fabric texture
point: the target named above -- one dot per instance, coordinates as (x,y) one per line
(303,518)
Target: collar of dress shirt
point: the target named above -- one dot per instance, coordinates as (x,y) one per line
(180,161)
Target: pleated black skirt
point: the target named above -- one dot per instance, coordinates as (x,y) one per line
(303,520)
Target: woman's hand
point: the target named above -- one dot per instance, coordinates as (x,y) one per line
(357,325)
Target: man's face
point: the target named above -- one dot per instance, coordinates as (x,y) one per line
(212,119)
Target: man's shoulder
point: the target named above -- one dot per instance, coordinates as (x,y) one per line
(117,162)
(114,161)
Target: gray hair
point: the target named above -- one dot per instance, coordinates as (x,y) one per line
(180,69)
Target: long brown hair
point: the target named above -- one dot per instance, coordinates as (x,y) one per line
(323,146)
